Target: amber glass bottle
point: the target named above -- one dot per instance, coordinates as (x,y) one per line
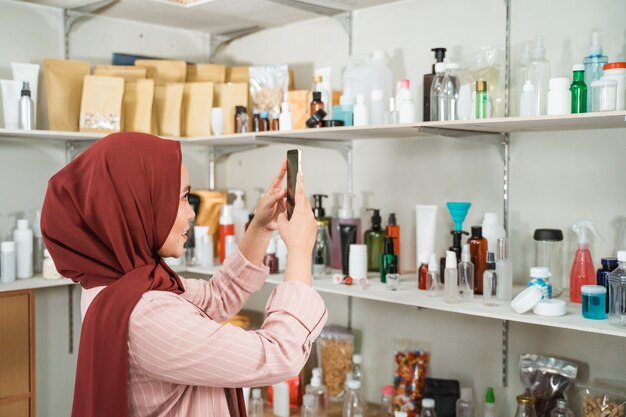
(478,249)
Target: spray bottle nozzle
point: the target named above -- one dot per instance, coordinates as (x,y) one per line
(345,211)
(581,228)
(596,45)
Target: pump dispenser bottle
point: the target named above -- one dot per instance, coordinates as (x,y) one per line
(593,64)
(347,219)
(466,274)
(387,258)
(26,109)
(318,390)
(373,238)
(240,215)
(440,54)
(583,270)
(450,286)
(320,212)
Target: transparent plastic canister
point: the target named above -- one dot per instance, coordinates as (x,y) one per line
(617,289)
(549,254)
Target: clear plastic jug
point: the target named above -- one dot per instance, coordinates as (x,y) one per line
(549,254)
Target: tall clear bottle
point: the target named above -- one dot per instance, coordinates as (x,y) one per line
(437,101)
(318,391)
(540,75)
(525,406)
(256,404)
(308,409)
(490,281)
(433,284)
(593,64)
(465,404)
(466,274)
(354,405)
(561,410)
(450,91)
(450,282)
(322,246)
(504,269)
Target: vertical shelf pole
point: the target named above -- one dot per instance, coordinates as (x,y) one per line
(211,168)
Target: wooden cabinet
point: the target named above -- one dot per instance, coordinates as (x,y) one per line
(17,354)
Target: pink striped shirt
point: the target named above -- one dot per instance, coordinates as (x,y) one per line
(181,358)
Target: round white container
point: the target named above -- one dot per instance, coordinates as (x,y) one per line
(357,265)
(603,95)
(617,71)
(559,96)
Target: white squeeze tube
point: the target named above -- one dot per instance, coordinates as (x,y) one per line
(426,219)
(11,92)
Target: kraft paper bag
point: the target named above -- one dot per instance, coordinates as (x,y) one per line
(238,74)
(299,106)
(164,71)
(127,72)
(213,73)
(196,110)
(169,100)
(101,104)
(211,203)
(64,90)
(137,106)
(228,96)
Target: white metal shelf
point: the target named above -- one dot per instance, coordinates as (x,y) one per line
(35,283)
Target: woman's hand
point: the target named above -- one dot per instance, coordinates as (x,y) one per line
(299,235)
(272,204)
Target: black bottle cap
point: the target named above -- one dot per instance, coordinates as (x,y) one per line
(319,210)
(440,53)
(609,264)
(477,231)
(25,89)
(388,245)
(316,118)
(392,219)
(194,202)
(392,268)
(457,236)
(376,219)
(317,96)
(240,109)
(552,235)
(333,123)
(491,260)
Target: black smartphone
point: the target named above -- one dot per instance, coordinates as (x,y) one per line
(294,165)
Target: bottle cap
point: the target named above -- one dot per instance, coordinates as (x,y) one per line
(491,260)
(376,219)
(240,109)
(440,54)
(578,67)
(432,263)
(450,260)
(552,235)
(388,245)
(405,84)
(604,82)
(559,83)
(610,264)
(316,118)
(360,99)
(621,256)
(238,203)
(481,85)
(477,231)
(308,400)
(466,256)
(593,289)
(596,46)
(265,115)
(452,66)
(527,299)
(392,219)
(377,94)
(388,390)
(7,246)
(550,308)
(539,51)
(256,393)
(428,403)
(316,377)
(357,359)
(489,397)
(540,272)
(529,86)
(25,89)
(333,123)
(22,224)
(423,258)
(392,269)
(467,394)
(614,65)
(317,96)
(525,399)
(227,214)
(440,67)
(285,107)
(378,54)
(357,248)
(352,384)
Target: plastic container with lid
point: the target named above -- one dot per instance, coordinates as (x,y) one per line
(549,253)
(540,277)
(559,96)
(603,95)
(358,261)
(528,100)
(594,302)
(617,71)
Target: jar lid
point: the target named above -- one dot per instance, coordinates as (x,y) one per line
(604,82)
(614,65)
(550,308)
(540,272)
(332,123)
(358,248)
(593,289)
(526,300)
(525,399)
(559,83)
(608,263)
(555,235)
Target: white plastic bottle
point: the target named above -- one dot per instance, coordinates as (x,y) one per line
(450,282)
(381,73)
(492,231)
(281,399)
(504,269)
(7,262)
(240,215)
(528,100)
(23,237)
(437,101)
(540,75)
(285,120)
(361,114)
(198,235)
(377,108)
(559,96)
(404,103)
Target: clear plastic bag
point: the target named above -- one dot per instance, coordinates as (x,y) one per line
(487,64)
(335,346)
(268,87)
(602,400)
(547,379)
(410,367)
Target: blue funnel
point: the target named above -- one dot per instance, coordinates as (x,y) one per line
(458,211)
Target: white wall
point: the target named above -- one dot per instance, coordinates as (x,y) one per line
(555,178)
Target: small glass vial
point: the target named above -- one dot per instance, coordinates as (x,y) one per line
(391,115)
(241,119)
(594,302)
(392,277)
(308,406)
(386,401)
(7,262)
(525,406)
(49,270)
(490,282)
(465,404)
(561,409)
(433,285)
(319,267)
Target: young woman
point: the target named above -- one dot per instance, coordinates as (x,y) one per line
(151,343)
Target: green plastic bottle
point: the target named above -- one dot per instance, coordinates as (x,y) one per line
(374,239)
(481,99)
(387,258)
(579,90)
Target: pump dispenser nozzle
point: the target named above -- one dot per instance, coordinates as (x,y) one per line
(581,228)
(539,50)
(440,54)
(345,211)
(596,45)
(238,203)
(376,219)
(318,209)
(466,256)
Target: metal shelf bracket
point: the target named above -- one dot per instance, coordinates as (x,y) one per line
(496,139)
(70,16)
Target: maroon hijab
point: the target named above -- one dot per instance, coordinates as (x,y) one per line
(104,217)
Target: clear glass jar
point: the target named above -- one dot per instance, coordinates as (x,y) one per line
(549,254)
(525,406)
